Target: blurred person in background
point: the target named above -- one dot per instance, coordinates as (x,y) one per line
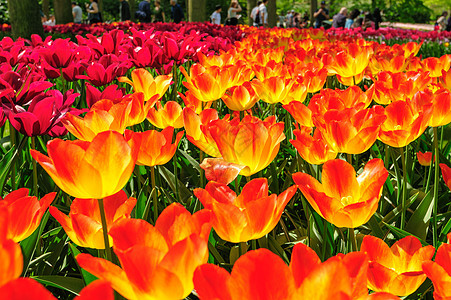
(321,15)
(339,19)
(124,10)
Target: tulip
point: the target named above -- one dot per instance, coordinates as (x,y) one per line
(351,62)
(425,158)
(261,274)
(11,264)
(86,170)
(446,173)
(155,148)
(43,115)
(441,107)
(193,103)
(396,270)
(250,142)
(240,98)
(435,65)
(143,82)
(352,97)
(197,132)
(350,130)
(97,120)
(216,169)
(111,92)
(248,216)
(169,115)
(105,70)
(440,271)
(301,113)
(24,213)
(312,149)
(84,226)
(207,84)
(156,262)
(25,288)
(342,199)
(275,89)
(405,122)
(99,289)
(445,79)
(258,274)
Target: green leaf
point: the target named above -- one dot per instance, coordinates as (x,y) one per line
(185,194)
(194,163)
(376,230)
(400,234)
(8,161)
(70,284)
(87,277)
(419,222)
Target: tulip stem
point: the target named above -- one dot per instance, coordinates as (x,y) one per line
(404,188)
(105,230)
(201,158)
(436,183)
(349,158)
(177,194)
(242,247)
(12,137)
(35,171)
(154,191)
(352,239)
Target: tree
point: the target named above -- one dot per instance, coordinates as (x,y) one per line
(197,10)
(313,8)
(272,12)
(63,11)
(25,18)
(46,7)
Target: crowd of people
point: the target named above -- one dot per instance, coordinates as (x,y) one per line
(443,23)
(348,19)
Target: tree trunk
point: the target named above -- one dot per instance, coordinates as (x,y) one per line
(46,7)
(100,3)
(63,11)
(132,9)
(25,18)
(197,10)
(313,8)
(271,6)
(250,5)
(188,13)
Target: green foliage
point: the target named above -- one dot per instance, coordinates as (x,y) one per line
(4,14)
(409,11)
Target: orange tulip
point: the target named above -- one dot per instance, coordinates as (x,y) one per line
(196,130)
(390,87)
(342,199)
(301,113)
(425,158)
(271,69)
(389,62)
(405,122)
(261,274)
(99,289)
(143,82)
(97,120)
(84,226)
(248,216)
(396,270)
(94,169)
(216,169)
(435,65)
(441,106)
(240,98)
(352,97)
(350,130)
(258,274)
(274,89)
(312,149)
(157,262)
(207,84)
(250,142)
(24,212)
(445,79)
(11,264)
(193,103)
(314,80)
(446,173)
(155,148)
(25,288)
(440,271)
(169,115)
(351,62)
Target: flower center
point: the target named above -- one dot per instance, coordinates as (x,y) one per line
(347,200)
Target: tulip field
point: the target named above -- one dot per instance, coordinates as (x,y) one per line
(196,161)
